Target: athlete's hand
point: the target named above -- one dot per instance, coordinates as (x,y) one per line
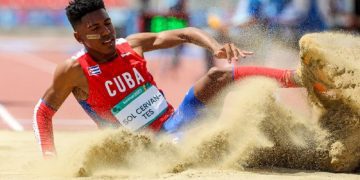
(230,52)
(49,155)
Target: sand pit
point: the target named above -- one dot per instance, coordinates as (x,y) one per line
(20,160)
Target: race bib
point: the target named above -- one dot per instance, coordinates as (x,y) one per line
(140,108)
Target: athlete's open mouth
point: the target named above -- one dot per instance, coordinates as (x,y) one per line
(109,41)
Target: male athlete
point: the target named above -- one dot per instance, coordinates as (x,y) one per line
(110,80)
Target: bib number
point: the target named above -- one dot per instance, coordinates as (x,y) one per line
(140,108)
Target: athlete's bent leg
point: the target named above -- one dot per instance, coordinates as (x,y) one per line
(217,79)
(189,110)
(212,83)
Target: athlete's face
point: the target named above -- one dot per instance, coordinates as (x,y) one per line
(97,33)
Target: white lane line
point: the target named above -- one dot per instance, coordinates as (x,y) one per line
(37,63)
(9,119)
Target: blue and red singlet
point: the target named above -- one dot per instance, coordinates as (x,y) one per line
(123,92)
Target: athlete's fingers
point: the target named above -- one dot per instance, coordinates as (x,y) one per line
(221,54)
(218,53)
(228,52)
(237,54)
(242,54)
(234,52)
(247,52)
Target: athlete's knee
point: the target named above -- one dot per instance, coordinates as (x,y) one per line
(219,75)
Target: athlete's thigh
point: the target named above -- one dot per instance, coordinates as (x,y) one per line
(188,111)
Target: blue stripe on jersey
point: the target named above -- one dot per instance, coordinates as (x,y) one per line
(102,123)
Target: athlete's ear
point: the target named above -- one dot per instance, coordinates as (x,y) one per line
(78,37)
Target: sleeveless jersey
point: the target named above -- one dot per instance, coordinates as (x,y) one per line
(123,92)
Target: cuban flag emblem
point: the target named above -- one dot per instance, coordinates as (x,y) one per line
(94,70)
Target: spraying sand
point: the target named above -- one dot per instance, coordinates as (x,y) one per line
(255,131)
(251,132)
(333,59)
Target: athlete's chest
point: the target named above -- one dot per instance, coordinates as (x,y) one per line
(111,80)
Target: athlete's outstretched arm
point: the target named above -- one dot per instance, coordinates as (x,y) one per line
(55,95)
(143,42)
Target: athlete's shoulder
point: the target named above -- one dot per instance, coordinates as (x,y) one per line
(72,66)
(126,46)
(69,69)
(122,45)
(79,55)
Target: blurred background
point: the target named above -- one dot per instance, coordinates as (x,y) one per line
(35,36)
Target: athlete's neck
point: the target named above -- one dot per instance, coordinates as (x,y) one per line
(103,58)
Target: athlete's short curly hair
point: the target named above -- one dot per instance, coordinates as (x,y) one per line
(79,8)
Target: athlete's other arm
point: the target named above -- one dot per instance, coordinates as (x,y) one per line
(62,85)
(143,42)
